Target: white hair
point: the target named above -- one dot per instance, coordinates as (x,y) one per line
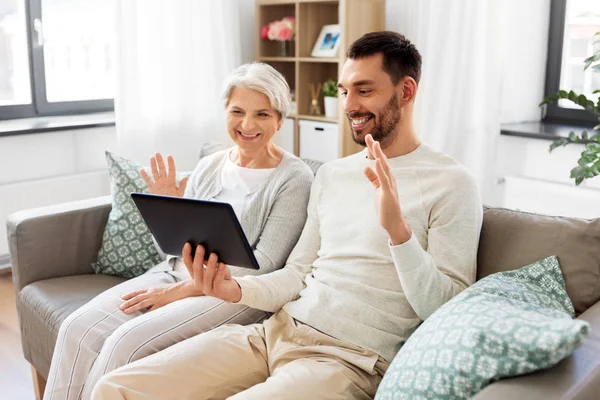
(264,79)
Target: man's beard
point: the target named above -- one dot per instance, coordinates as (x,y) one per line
(383,128)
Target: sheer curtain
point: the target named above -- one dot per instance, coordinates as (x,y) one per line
(173,57)
(483,63)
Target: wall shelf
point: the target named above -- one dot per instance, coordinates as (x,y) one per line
(355,17)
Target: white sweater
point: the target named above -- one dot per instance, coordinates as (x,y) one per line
(345,279)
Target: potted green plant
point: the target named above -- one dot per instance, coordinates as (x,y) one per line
(330,94)
(589,162)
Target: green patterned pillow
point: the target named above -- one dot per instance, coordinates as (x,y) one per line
(507,324)
(127,247)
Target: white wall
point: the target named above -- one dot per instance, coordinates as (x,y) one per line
(523,175)
(49,168)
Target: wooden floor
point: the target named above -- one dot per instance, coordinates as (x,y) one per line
(15,373)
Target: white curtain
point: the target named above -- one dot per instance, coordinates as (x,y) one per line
(483,63)
(173,57)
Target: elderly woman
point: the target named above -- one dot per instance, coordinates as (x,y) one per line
(268,189)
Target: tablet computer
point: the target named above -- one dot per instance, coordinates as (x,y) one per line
(175,220)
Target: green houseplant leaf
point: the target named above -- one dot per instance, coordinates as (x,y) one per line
(330,88)
(588,165)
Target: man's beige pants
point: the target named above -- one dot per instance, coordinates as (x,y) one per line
(278,359)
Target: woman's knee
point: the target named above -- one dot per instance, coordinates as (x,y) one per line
(126,344)
(76,328)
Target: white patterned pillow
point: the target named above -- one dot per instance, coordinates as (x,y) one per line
(127,247)
(507,324)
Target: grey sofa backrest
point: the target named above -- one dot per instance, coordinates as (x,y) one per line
(513,239)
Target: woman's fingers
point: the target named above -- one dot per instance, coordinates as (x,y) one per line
(160,162)
(172,172)
(154,168)
(182,185)
(134,301)
(139,306)
(145,177)
(133,294)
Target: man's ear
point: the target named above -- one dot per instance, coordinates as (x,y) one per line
(408,90)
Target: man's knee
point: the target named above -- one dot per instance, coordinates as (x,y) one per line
(108,388)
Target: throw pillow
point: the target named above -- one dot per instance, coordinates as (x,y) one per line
(507,324)
(127,248)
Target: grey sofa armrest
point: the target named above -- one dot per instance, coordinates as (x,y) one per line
(575,378)
(55,241)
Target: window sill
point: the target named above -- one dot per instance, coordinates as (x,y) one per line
(52,124)
(541,130)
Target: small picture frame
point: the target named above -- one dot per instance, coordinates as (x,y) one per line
(328,43)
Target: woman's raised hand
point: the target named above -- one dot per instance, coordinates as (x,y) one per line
(163,181)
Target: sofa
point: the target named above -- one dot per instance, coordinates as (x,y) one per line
(51,250)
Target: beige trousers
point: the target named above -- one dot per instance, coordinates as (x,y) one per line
(280,358)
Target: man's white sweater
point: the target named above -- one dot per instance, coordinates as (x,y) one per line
(345,279)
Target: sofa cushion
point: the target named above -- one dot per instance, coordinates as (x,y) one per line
(44,305)
(511,239)
(507,324)
(127,247)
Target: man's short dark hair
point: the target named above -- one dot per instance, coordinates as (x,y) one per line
(400,57)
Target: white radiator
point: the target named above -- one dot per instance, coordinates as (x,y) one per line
(551,198)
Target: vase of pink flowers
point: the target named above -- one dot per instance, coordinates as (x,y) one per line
(282,31)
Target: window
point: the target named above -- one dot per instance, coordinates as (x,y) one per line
(573,24)
(56,57)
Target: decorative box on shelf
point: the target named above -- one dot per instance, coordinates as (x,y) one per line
(319,140)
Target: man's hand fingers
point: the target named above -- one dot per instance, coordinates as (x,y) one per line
(199,267)
(369,142)
(383,157)
(372,176)
(378,151)
(209,273)
(220,276)
(186,255)
(384,180)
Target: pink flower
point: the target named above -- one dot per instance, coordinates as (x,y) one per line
(285,33)
(264,32)
(282,30)
(273,31)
